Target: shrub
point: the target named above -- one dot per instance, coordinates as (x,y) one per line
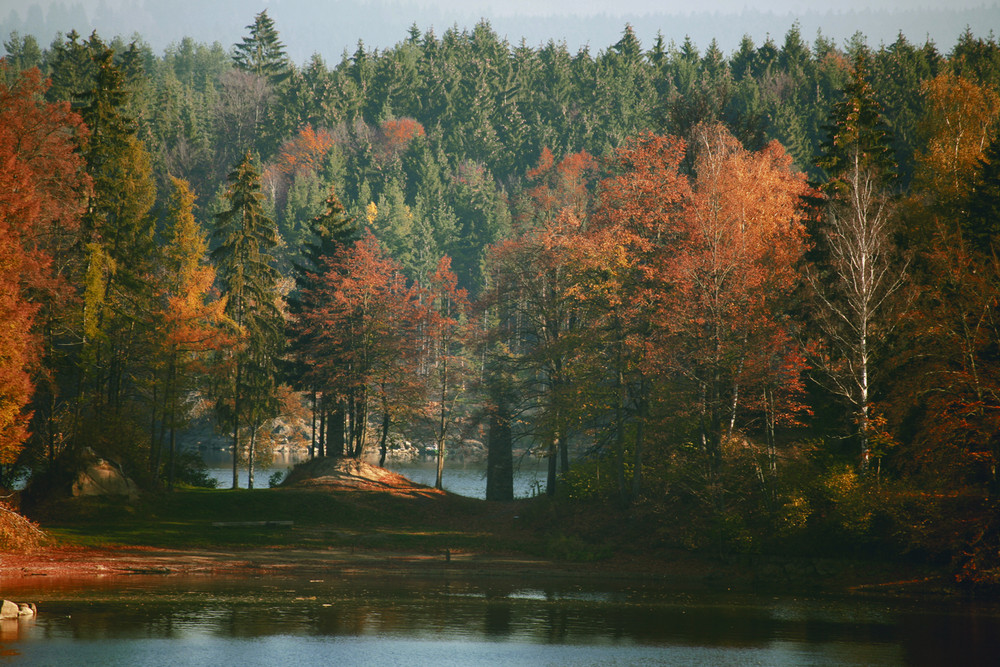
(16,532)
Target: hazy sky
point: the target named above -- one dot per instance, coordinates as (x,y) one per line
(590,7)
(329,27)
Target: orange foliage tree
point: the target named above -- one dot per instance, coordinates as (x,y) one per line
(558,187)
(635,227)
(191,319)
(697,305)
(959,119)
(360,334)
(447,306)
(397,133)
(725,332)
(41,201)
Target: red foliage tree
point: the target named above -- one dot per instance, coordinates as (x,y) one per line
(698,302)
(41,188)
(397,133)
(361,333)
(558,187)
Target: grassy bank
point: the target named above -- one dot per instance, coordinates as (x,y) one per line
(189,518)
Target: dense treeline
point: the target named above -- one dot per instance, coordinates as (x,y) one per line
(750,299)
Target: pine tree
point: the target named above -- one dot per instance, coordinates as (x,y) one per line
(981,222)
(262,53)
(245,239)
(857,137)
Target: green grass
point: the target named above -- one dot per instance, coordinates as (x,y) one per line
(184,519)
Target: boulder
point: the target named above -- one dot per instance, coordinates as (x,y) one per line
(9,610)
(103,478)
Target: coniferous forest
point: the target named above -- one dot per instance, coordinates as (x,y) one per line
(749,299)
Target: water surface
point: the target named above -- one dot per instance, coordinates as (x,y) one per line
(440,620)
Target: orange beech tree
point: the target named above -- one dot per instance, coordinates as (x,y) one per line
(725,330)
(694,306)
(42,189)
(636,226)
(558,187)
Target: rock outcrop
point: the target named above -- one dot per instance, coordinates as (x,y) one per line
(103,478)
(342,474)
(10,611)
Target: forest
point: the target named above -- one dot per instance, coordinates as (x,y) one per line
(750,299)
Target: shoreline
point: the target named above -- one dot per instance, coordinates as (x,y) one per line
(64,568)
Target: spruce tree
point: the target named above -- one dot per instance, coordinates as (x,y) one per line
(982,215)
(857,137)
(117,245)
(262,53)
(245,238)
(331,232)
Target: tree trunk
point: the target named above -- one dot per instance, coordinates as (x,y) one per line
(637,454)
(312,432)
(383,445)
(336,428)
(550,482)
(499,456)
(250,457)
(321,443)
(236,428)
(620,441)
(442,424)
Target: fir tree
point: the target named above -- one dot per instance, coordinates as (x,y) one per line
(262,53)
(245,239)
(982,218)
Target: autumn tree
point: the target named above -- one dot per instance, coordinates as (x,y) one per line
(726,334)
(191,321)
(555,187)
(359,335)
(245,237)
(956,128)
(636,228)
(951,401)
(42,187)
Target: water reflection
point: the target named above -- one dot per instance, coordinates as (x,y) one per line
(157,620)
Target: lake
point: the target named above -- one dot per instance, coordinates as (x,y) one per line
(443,620)
(463,479)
